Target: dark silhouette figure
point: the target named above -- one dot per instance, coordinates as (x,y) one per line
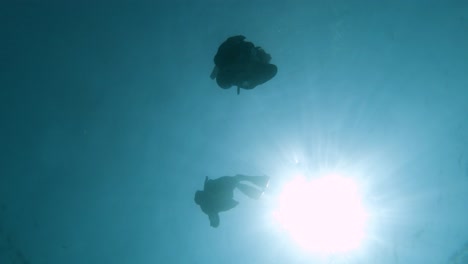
(239,63)
(217,194)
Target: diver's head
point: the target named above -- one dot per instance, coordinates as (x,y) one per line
(198,197)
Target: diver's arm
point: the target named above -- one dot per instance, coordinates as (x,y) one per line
(214,219)
(206,181)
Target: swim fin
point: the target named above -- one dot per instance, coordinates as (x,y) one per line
(260,181)
(250,191)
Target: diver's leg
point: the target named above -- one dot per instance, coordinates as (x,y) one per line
(224,185)
(250,191)
(260,181)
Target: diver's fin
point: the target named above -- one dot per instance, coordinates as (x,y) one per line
(250,191)
(260,181)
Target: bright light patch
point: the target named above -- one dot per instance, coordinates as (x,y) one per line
(323,215)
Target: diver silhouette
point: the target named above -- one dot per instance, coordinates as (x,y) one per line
(217,194)
(239,63)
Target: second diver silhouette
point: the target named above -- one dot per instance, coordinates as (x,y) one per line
(217,194)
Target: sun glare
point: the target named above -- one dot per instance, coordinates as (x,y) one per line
(323,215)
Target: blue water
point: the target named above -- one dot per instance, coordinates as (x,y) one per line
(110,122)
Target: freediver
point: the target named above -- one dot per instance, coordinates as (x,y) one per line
(217,194)
(242,64)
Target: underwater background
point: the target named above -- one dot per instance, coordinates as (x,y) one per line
(110,123)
